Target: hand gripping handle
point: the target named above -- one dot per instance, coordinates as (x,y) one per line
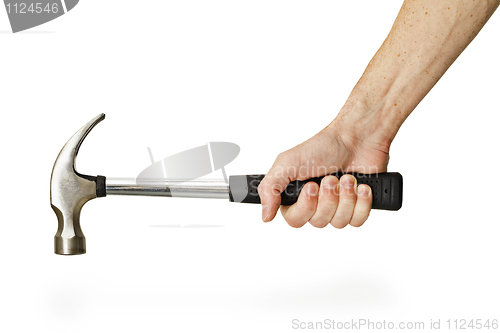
(387,189)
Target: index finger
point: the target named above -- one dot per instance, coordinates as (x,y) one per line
(270,188)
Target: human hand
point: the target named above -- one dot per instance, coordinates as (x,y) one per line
(337,202)
(402,72)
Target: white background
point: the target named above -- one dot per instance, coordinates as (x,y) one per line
(266,75)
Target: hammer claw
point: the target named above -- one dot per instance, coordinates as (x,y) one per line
(69,191)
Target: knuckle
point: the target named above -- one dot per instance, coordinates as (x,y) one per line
(319,222)
(360,218)
(365,211)
(262,192)
(329,204)
(281,157)
(266,189)
(358,222)
(348,193)
(348,200)
(362,209)
(262,187)
(295,224)
(339,223)
(349,197)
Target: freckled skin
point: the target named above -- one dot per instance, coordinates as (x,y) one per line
(426,38)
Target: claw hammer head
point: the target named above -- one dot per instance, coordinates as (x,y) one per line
(70,190)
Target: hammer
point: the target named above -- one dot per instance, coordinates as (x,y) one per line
(70,190)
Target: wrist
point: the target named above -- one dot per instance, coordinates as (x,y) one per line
(363,123)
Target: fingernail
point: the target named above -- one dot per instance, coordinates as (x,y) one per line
(363,191)
(311,190)
(265,212)
(329,182)
(347,182)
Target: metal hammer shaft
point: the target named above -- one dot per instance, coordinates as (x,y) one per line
(199,188)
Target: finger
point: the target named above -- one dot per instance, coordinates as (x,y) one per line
(270,198)
(347,201)
(328,202)
(270,188)
(363,206)
(300,212)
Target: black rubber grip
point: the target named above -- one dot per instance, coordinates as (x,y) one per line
(387,189)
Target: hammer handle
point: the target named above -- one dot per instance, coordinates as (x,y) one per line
(387,189)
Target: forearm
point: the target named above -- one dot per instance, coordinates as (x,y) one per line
(426,38)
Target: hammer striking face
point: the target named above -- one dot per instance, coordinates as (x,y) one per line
(70,190)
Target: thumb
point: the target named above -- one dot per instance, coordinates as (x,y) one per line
(273,184)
